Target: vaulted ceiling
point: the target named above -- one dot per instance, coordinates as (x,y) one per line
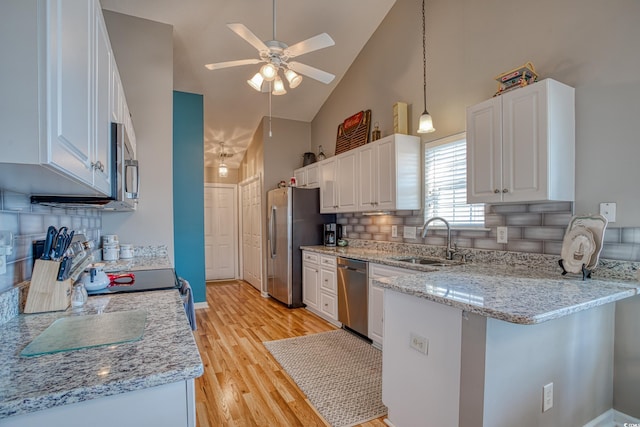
(233,109)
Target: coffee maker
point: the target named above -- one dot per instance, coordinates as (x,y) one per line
(332,232)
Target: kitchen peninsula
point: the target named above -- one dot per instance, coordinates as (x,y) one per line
(487,338)
(144,382)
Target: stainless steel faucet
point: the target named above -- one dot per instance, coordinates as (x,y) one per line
(450,250)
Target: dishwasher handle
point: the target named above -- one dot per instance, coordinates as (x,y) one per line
(346,267)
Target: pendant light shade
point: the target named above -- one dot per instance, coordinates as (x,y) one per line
(269,72)
(223,170)
(256,82)
(293,78)
(426,124)
(278,87)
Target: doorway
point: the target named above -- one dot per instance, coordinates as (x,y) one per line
(221,231)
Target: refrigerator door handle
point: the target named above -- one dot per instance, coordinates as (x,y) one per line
(272,231)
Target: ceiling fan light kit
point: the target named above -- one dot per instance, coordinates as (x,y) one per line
(276,55)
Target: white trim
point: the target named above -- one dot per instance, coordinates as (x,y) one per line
(446,140)
(199,305)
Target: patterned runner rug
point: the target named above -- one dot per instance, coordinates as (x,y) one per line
(340,374)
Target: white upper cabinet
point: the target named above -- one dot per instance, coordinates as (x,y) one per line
(58,70)
(521,145)
(381,175)
(389,174)
(308,176)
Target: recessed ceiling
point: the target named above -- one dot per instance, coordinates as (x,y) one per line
(232,109)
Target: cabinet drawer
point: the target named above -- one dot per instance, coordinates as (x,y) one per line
(329,305)
(310,257)
(327,260)
(377,271)
(328,281)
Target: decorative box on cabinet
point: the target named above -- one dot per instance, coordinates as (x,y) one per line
(59,78)
(521,145)
(376,299)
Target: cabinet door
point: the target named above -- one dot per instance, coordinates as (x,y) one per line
(301,177)
(524,144)
(386,177)
(484,152)
(347,178)
(69,69)
(102,78)
(313,176)
(367,177)
(328,186)
(376,314)
(310,284)
(115,87)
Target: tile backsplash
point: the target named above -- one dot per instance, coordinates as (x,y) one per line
(29,222)
(532,228)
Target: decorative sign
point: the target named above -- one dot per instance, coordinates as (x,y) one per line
(518,77)
(353,132)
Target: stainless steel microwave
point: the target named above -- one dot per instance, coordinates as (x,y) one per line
(125,180)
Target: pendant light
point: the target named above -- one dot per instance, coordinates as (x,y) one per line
(426,124)
(223,170)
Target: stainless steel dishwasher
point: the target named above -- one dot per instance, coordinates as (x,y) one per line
(353,300)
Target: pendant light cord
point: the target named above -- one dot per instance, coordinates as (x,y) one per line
(424,57)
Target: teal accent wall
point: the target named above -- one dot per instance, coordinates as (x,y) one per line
(188,190)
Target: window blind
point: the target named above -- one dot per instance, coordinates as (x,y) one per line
(446,184)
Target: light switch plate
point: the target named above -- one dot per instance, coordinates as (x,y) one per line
(394,231)
(409,232)
(608,210)
(502,235)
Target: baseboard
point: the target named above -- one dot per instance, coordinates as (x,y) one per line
(613,418)
(199,305)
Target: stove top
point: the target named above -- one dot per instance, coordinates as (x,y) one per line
(144,280)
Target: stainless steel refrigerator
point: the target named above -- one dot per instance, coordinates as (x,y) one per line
(293,220)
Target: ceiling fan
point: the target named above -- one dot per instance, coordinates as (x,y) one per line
(277,56)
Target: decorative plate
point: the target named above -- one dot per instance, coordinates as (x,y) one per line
(578,247)
(596,224)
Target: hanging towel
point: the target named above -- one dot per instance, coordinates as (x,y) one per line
(187,299)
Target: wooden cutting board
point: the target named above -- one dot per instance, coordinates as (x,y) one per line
(77,332)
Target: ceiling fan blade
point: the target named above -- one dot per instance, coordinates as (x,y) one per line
(312,72)
(246,34)
(219,65)
(309,45)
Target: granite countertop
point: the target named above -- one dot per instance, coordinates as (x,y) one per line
(166,353)
(138,263)
(516,294)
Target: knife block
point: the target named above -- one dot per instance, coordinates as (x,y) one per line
(45,292)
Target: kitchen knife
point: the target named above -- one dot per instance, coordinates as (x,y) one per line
(48,242)
(60,242)
(64,270)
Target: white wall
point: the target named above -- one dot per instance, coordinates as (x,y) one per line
(588,44)
(144,52)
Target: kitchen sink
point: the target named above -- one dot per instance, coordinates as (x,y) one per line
(428,261)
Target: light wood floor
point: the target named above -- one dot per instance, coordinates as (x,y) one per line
(242,384)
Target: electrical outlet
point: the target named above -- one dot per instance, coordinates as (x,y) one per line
(419,343)
(608,210)
(409,232)
(502,235)
(547,397)
(394,231)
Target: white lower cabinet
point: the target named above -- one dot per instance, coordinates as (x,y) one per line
(169,405)
(319,285)
(310,280)
(376,299)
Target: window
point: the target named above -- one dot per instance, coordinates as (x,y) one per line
(445,169)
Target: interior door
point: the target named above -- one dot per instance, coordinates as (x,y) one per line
(251,208)
(221,243)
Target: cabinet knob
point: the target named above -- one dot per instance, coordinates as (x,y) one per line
(505,190)
(496,191)
(98,165)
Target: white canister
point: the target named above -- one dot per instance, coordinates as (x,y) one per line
(110,251)
(108,239)
(126,251)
